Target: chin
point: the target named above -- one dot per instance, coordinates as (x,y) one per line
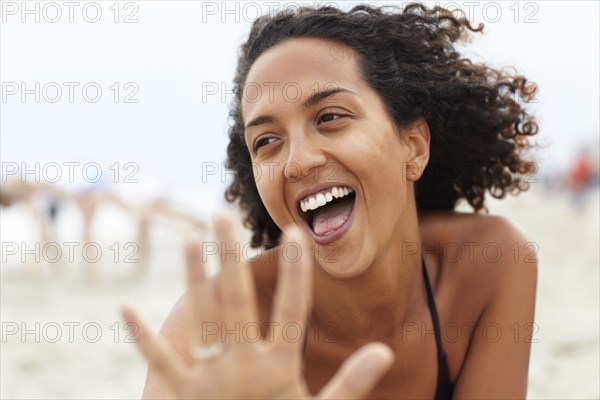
(339,264)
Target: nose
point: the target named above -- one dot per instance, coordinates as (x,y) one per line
(306,156)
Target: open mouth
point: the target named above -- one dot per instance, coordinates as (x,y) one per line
(327,211)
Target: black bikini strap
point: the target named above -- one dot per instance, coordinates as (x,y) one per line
(433,310)
(444,386)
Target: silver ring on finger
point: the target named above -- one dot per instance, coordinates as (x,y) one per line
(207,352)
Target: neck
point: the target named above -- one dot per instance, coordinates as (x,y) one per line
(374,305)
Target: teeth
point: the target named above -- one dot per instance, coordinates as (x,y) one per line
(314,202)
(303,206)
(321,200)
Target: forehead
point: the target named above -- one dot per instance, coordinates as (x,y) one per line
(308,63)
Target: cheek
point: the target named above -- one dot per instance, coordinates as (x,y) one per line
(377,159)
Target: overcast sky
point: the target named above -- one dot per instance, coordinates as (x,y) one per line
(159,68)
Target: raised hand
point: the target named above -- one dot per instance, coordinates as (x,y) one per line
(228,368)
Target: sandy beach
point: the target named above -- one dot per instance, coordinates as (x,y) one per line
(62,336)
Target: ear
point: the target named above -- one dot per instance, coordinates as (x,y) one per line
(416,137)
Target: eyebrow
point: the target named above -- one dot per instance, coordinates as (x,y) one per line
(311,101)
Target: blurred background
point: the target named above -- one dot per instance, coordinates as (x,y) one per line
(113,129)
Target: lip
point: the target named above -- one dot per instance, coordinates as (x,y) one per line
(338,233)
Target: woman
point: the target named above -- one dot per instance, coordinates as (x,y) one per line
(357,133)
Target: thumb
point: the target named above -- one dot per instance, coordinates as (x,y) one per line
(359,374)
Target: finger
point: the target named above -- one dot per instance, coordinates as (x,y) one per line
(360,373)
(293,294)
(235,281)
(156,351)
(202,302)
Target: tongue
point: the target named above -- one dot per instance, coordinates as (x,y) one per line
(329,218)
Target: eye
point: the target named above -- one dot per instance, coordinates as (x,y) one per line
(329,117)
(263,141)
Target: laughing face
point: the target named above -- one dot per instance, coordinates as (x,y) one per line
(329,157)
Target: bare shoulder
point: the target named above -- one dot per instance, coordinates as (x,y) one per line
(478,252)
(485,276)
(465,239)
(468,224)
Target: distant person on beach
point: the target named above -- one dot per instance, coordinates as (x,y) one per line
(41,199)
(143,201)
(143,204)
(581,178)
(354,135)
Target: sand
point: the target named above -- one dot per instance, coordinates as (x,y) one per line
(62,336)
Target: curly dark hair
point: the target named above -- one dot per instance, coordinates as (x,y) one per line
(479,132)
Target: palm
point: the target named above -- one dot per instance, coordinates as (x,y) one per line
(232,360)
(229,377)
